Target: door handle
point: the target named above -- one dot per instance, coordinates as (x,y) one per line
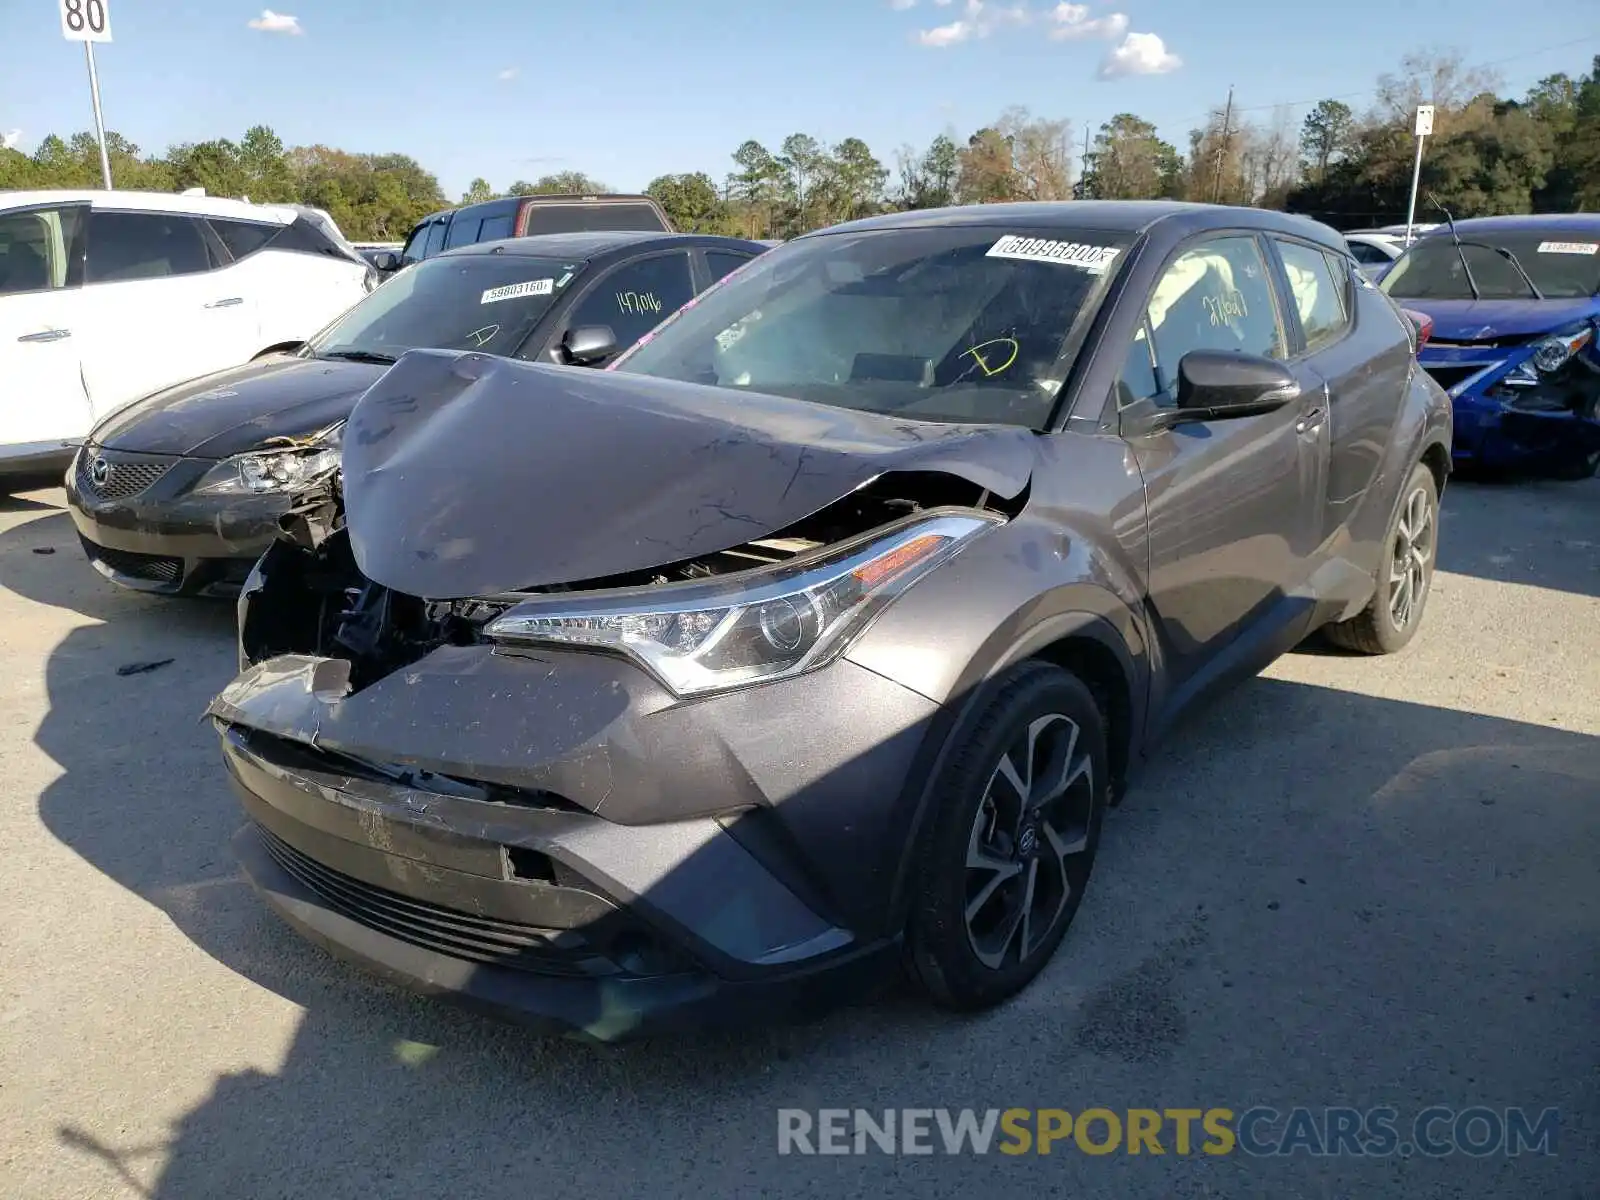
(1311,419)
(48,335)
(228,303)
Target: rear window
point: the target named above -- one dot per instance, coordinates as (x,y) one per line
(578,218)
(243,237)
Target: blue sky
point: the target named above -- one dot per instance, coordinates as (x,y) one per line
(629,89)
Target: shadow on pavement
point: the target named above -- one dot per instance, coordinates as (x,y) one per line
(1538,533)
(1418,925)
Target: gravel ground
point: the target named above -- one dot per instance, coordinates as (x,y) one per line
(1350,883)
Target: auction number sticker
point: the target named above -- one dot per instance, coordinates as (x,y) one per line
(534,287)
(1568,247)
(1094,259)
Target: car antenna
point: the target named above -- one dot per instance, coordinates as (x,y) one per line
(1460,251)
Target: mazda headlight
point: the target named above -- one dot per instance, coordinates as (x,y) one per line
(275,468)
(1551,354)
(704,637)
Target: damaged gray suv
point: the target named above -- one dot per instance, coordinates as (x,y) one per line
(814,638)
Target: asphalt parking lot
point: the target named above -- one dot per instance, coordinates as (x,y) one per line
(1351,883)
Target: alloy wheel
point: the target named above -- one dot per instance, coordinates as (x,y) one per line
(1412,559)
(1028,853)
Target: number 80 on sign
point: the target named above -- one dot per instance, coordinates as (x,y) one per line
(85,20)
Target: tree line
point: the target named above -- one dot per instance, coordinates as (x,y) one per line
(1489,154)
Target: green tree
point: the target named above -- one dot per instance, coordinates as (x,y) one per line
(1130,162)
(691,202)
(562,183)
(757,184)
(1326,135)
(986,173)
(478,192)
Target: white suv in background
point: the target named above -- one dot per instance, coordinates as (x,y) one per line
(106,297)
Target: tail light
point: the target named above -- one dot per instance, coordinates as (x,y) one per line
(1422,323)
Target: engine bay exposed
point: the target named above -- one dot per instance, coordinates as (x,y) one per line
(310,597)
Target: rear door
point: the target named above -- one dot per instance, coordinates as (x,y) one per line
(157,308)
(42,398)
(1364,357)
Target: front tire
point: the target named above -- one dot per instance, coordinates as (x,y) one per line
(1006,854)
(1405,577)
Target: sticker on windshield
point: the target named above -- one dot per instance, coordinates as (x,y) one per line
(1094,259)
(534,287)
(1569,247)
(564,280)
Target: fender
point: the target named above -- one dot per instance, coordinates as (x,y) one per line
(978,685)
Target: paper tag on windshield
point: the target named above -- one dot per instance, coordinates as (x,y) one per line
(1569,247)
(534,287)
(1094,259)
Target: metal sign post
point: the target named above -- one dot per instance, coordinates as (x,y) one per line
(1424,128)
(89,21)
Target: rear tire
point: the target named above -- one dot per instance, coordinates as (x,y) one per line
(1005,856)
(1405,577)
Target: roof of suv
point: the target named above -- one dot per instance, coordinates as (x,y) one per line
(203,206)
(589,244)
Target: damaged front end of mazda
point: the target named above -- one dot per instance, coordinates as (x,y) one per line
(588,749)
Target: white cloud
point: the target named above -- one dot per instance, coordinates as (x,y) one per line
(10,139)
(902,5)
(1073,23)
(271,22)
(508,73)
(979,21)
(1139,54)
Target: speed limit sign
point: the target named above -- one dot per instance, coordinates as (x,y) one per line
(85,20)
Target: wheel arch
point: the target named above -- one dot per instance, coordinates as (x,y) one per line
(1085,643)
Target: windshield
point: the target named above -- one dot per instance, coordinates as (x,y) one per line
(958,324)
(473,302)
(1562,265)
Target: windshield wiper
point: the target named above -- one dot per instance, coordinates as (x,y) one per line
(365,356)
(1456,238)
(1515,262)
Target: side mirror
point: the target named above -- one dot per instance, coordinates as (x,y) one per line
(386,261)
(1216,385)
(586,345)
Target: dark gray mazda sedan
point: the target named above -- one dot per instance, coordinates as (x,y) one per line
(815,637)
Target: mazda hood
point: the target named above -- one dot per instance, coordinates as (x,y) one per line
(469,475)
(233,411)
(1495,320)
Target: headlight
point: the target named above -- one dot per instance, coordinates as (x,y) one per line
(758,626)
(274,469)
(1552,354)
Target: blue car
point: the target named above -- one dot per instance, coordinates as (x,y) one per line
(1515,310)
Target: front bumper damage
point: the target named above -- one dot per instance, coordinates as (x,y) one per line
(563,844)
(1510,416)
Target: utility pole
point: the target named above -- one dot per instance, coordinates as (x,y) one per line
(1083,174)
(1222,150)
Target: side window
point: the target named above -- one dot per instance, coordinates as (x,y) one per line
(242,237)
(634,299)
(1362,252)
(495,228)
(725,262)
(38,248)
(1214,296)
(1318,296)
(435,242)
(463,232)
(124,246)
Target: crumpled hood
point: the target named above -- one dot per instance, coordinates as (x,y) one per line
(1487,320)
(233,411)
(467,474)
